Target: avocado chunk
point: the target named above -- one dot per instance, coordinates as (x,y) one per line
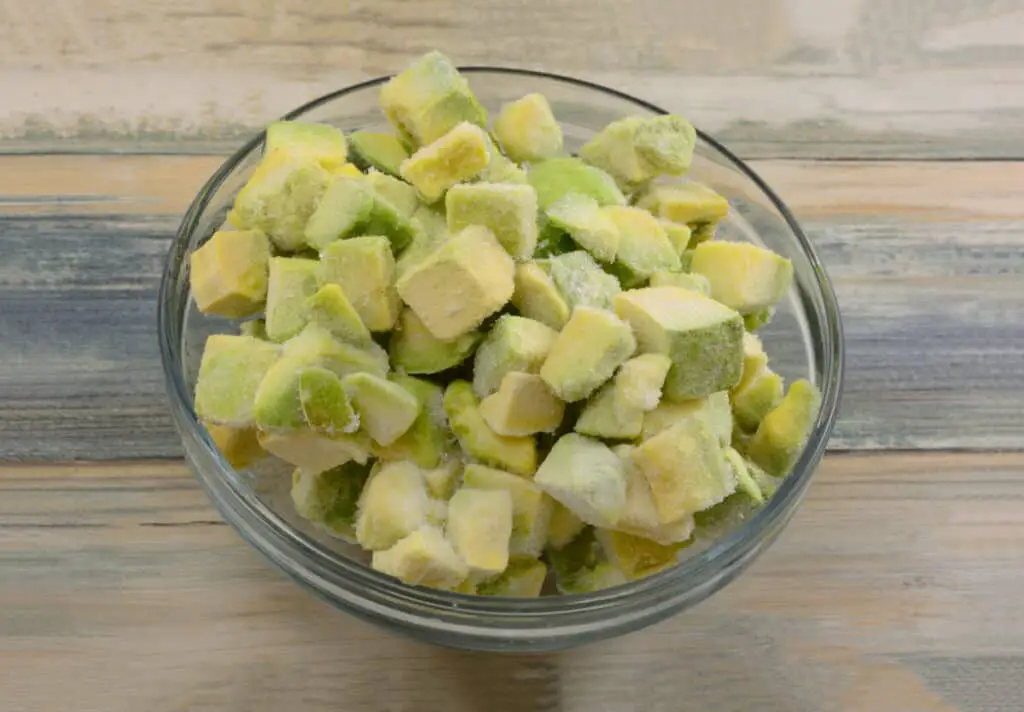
(644,248)
(415,350)
(555,178)
(230,373)
(423,558)
(278,405)
(524,578)
(640,517)
(399,194)
(364,268)
(604,417)
(693,282)
(531,508)
(315,346)
(428,99)
(738,507)
(441,480)
(480,527)
(581,566)
(586,477)
(462,283)
(427,440)
(581,281)
(636,149)
(325,405)
(587,224)
(564,526)
(744,277)
(478,440)
(527,129)
(394,504)
(702,337)
(714,410)
(386,410)
(689,203)
(635,556)
(536,296)
(343,209)
(679,235)
(522,405)
(514,343)
(228,273)
(509,211)
(330,498)
(331,309)
(755,399)
(323,143)
(291,283)
(586,353)
(311,451)
(239,446)
(783,432)
(457,156)
(381,151)
(639,382)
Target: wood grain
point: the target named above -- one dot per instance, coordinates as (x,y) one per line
(896,587)
(927,260)
(775,78)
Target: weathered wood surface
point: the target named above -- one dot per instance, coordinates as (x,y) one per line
(896,587)
(775,78)
(928,261)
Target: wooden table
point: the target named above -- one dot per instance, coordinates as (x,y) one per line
(892,129)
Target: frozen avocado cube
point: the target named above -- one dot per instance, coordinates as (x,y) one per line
(522,405)
(331,309)
(635,556)
(323,143)
(428,99)
(330,498)
(702,337)
(755,399)
(457,156)
(586,353)
(605,417)
(587,224)
(381,151)
(693,282)
(564,526)
(229,273)
(324,403)
(364,268)
(478,440)
(414,349)
(582,566)
(581,281)
(514,343)
(555,178)
(386,410)
(441,480)
(277,405)
(586,477)
(315,346)
(386,219)
(239,446)
(636,149)
(685,468)
(536,296)
(394,503)
(280,196)
(640,516)
(398,193)
(551,239)
(524,578)
(744,277)
(423,558)
(783,432)
(230,373)
(291,283)
(342,211)
(531,508)
(679,235)
(638,383)
(463,282)
(527,129)
(311,451)
(644,248)
(509,211)
(426,442)
(688,203)
(714,410)
(480,527)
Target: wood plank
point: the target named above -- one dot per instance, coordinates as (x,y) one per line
(895,587)
(778,78)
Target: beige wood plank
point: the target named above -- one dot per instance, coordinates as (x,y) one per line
(896,587)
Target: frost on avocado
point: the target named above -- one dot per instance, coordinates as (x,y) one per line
(783,432)
(635,149)
(693,282)
(427,440)
(514,343)
(480,528)
(291,283)
(394,503)
(742,276)
(587,224)
(423,558)
(581,281)
(331,309)
(522,405)
(509,211)
(644,248)
(523,578)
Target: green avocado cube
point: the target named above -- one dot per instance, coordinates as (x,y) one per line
(423,558)
(527,129)
(343,210)
(364,268)
(292,281)
(414,349)
(330,498)
(688,203)
(466,280)
(315,346)
(228,274)
(635,149)
(783,432)
(480,528)
(744,277)
(531,508)
(581,280)
(605,417)
(381,151)
(427,441)
(703,338)
(644,248)
(640,517)
(694,282)
(666,142)
(586,477)
(331,309)
(587,224)
(514,343)
(509,211)
(458,156)
(536,296)
(752,401)
(524,578)
(586,353)
(230,373)
(399,194)
(555,178)
(639,382)
(394,504)
(321,142)
(386,410)
(314,452)
(522,405)
(582,566)
(478,440)
(325,405)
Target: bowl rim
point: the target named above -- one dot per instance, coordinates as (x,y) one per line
(443,611)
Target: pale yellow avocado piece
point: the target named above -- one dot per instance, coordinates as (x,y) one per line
(315,452)
(394,504)
(514,343)
(586,353)
(586,477)
(640,517)
(693,282)
(478,440)
(635,556)
(324,403)
(423,558)
(636,149)
(588,225)
(347,170)
(398,193)
(564,526)
(230,373)
(639,382)
(239,446)
(688,203)
(330,498)
(783,432)
(702,337)
(480,527)
(644,248)
(441,480)
(321,142)
(745,480)
(364,268)
(536,296)
(228,274)
(280,196)
(291,283)
(755,399)
(755,360)
(315,346)
(509,211)
(331,309)
(715,410)
(466,280)
(427,441)
(522,405)
(343,210)
(581,566)
(679,235)
(457,156)
(743,276)
(414,349)
(524,578)
(685,468)
(386,410)
(531,508)
(605,417)
(527,129)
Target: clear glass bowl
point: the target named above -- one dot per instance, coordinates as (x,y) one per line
(804,340)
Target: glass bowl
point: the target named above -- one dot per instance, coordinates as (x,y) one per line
(804,340)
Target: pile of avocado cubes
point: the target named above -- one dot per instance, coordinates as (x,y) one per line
(500,368)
